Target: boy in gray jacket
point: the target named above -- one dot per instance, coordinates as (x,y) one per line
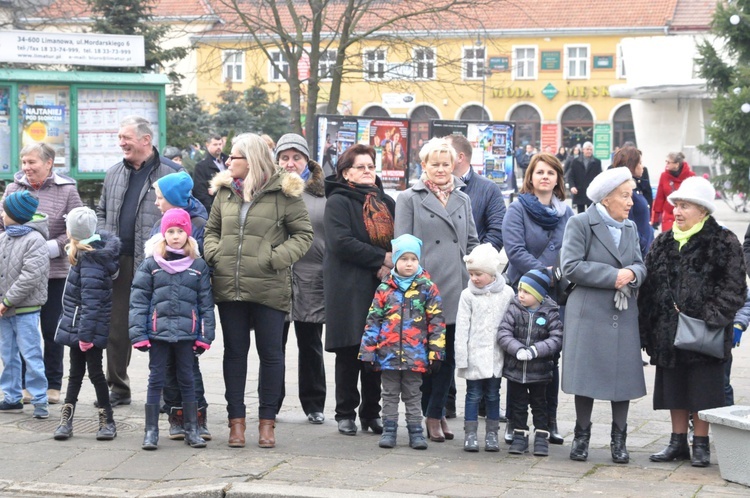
(24,271)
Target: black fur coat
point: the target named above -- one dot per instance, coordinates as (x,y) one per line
(708,282)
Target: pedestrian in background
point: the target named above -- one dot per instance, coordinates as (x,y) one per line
(630,157)
(676,171)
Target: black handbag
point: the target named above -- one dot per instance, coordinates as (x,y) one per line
(695,335)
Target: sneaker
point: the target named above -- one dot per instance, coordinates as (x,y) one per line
(41,411)
(6,407)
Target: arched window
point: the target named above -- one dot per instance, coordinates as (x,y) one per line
(578,126)
(622,126)
(474,113)
(375,111)
(423,113)
(528,125)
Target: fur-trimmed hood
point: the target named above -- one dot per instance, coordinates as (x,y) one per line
(315,185)
(290,184)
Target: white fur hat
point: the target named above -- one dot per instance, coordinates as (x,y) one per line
(697,190)
(606,181)
(484,258)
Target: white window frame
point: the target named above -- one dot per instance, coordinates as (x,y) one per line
(429,63)
(620,63)
(232,62)
(475,61)
(378,61)
(525,63)
(280,59)
(326,66)
(587,59)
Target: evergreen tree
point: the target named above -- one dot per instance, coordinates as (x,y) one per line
(188,121)
(725,64)
(251,111)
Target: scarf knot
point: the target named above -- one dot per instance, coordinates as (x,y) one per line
(442,192)
(544,216)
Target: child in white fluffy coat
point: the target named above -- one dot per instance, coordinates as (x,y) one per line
(479,358)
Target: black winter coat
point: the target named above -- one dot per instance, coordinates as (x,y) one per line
(523,329)
(87,299)
(350,264)
(708,282)
(581,177)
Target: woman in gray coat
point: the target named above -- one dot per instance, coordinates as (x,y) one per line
(601,344)
(438,213)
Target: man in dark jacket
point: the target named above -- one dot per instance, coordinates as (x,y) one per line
(206,168)
(127,209)
(583,170)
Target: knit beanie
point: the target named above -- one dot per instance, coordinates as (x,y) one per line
(21,206)
(175,188)
(406,243)
(696,190)
(176,218)
(81,223)
(292,141)
(484,258)
(536,283)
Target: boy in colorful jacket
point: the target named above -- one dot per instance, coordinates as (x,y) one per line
(404,337)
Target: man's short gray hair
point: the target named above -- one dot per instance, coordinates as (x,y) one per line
(141,124)
(588,144)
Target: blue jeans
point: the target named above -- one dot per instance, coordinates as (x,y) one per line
(20,334)
(475,390)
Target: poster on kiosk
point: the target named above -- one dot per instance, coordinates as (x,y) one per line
(493,143)
(388,136)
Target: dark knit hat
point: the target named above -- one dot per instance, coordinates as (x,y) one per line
(536,283)
(292,141)
(176,187)
(21,206)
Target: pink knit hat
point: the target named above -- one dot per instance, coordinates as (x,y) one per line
(176,218)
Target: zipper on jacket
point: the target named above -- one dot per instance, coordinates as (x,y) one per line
(75,315)
(528,340)
(239,253)
(401,334)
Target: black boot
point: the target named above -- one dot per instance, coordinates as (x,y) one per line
(65,429)
(701,452)
(388,439)
(677,449)
(416,437)
(190,423)
(520,444)
(107,429)
(203,423)
(617,445)
(554,434)
(579,450)
(151,432)
(176,430)
(541,444)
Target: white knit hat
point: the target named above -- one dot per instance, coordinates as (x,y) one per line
(484,258)
(697,190)
(81,223)
(606,181)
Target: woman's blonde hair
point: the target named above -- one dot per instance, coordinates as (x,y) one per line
(74,247)
(437,145)
(190,247)
(259,160)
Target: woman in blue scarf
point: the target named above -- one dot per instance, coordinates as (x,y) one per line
(533,231)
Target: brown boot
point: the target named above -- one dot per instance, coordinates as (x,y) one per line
(266,438)
(236,432)
(434,430)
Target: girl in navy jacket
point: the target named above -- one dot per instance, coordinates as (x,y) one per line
(84,324)
(172,313)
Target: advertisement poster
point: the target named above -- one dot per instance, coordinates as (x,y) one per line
(493,143)
(45,117)
(550,137)
(389,137)
(4,130)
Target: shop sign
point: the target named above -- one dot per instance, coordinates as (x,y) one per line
(499,63)
(603,62)
(550,91)
(550,61)
(602,140)
(512,93)
(588,91)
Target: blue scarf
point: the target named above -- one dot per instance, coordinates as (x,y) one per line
(544,216)
(305,174)
(404,283)
(614,226)
(17,230)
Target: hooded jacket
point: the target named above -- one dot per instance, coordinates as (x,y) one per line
(198,218)
(24,268)
(252,261)
(87,300)
(662,210)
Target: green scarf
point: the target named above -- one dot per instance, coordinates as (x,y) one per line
(683,237)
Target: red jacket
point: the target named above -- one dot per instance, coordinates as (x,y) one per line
(662,210)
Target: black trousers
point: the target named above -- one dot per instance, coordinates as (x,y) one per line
(522,396)
(349,371)
(435,387)
(79,361)
(311,371)
(119,347)
(49,317)
(237,320)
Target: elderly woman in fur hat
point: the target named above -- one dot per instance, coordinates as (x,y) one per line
(601,348)
(697,266)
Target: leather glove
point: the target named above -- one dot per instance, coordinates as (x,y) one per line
(435,366)
(85,346)
(738,330)
(369,366)
(200,347)
(523,354)
(143,346)
(621,298)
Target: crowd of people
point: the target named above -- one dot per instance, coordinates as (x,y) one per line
(411,292)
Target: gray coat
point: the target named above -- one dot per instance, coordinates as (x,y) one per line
(447,233)
(24,267)
(601,355)
(113,192)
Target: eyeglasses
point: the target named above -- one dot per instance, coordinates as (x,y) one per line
(235,158)
(362,167)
